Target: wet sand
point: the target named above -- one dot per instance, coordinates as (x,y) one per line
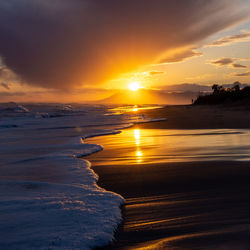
(200,117)
(182,205)
(201,205)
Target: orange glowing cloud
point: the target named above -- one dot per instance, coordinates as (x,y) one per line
(66,44)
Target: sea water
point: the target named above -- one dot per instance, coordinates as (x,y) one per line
(49,198)
(153,146)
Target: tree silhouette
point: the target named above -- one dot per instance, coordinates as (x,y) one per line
(221,95)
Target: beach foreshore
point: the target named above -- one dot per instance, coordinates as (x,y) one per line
(194,205)
(199,117)
(183,205)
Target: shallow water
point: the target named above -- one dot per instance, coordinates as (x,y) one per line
(184,189)
(48,194)
(137,146)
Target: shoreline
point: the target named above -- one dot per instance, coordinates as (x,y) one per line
(144,188)
(151,213)
(37,151)
(199,117)
(154,192)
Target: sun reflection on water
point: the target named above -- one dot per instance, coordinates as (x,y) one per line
(130,108)
(138,152)
(137,136)
(139,156)
(141,146)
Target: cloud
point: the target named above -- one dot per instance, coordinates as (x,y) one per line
(199,78)
(153,73)
(5,85)
(223,61)
(179,55)
(66,44)
(243,74)
(236,65)
(7,75)
(11,94)
(3,72)
(185,87)
(244,37)
(229,62)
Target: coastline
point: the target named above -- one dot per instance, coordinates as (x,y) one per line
(213,194)
(49,196)
(199,117)
(196,202)
(47,166)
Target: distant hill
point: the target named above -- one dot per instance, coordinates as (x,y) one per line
(147,96)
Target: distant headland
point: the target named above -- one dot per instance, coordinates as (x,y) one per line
(222,95)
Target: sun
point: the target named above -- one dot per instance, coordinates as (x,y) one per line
(134,86)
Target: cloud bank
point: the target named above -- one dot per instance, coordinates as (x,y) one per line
(5,85)
(244,37)
(178,55)
(66,44)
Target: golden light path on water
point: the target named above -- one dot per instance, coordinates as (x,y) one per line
(191,202)
(132,108)
(138,152)
(135,145)
(185,204)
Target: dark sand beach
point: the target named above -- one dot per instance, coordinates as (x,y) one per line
(202,203)
(200,117)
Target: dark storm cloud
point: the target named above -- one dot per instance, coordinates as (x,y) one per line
(7,75)
(65,43)
(5,85)
(3,72)
(10,94)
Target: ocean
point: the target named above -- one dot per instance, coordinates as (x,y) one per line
(49,198)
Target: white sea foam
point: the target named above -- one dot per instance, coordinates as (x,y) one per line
(48,194)
(13,107)
(75,214)
(146,120)
(101,133)
(38,215)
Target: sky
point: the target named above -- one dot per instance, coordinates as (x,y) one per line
(83,50)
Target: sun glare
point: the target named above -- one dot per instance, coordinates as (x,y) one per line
(134,86)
